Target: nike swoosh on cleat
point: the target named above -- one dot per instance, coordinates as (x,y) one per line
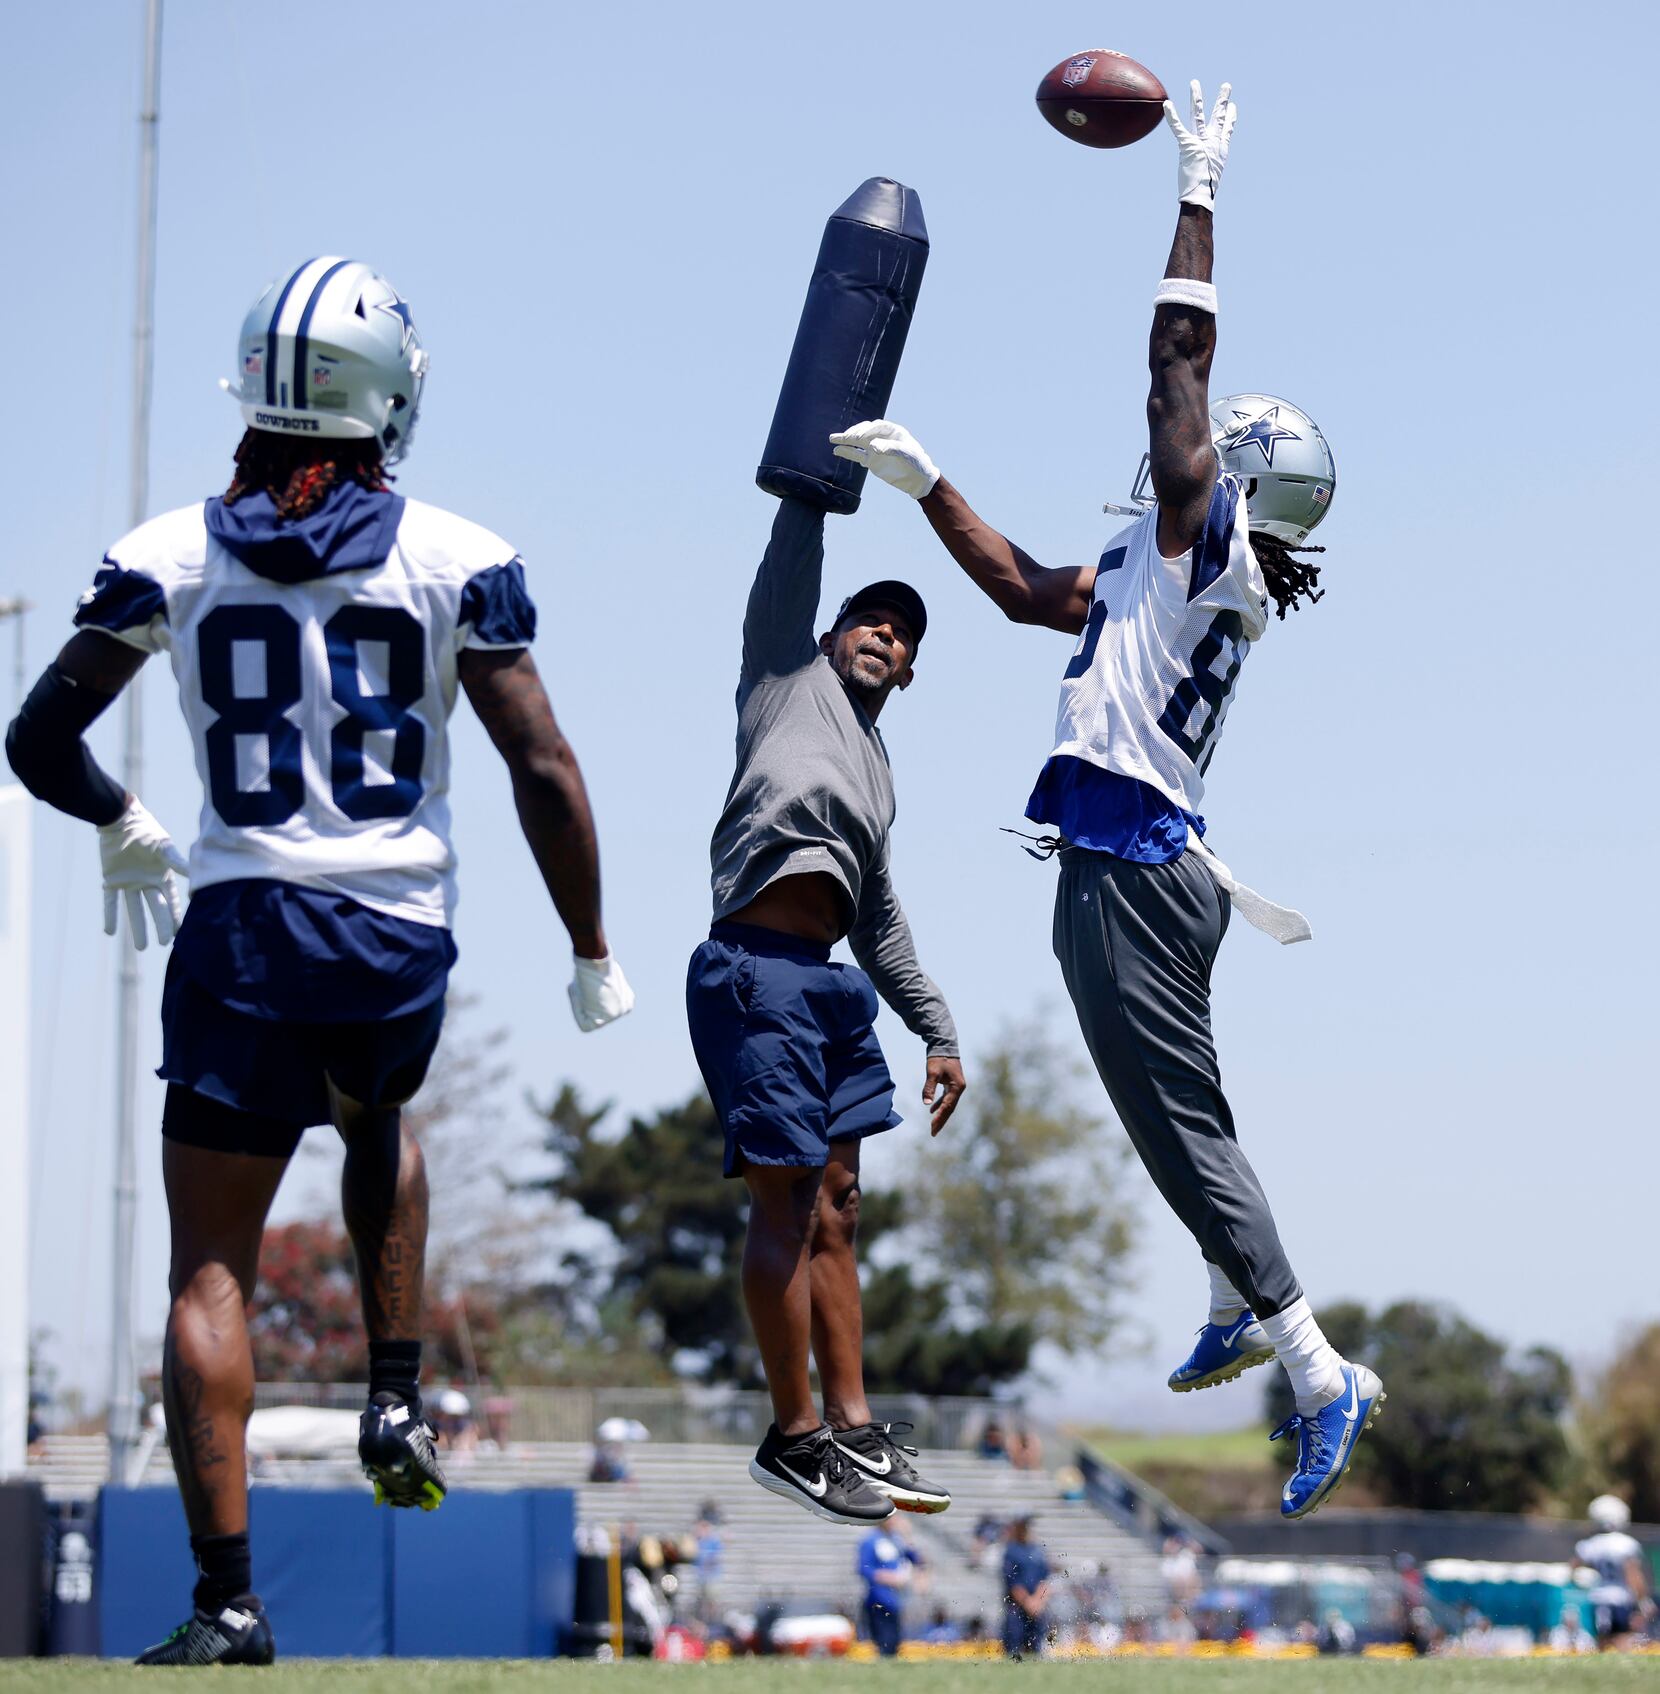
(817,1489)
(1238,1330)
(869,1464)
(1353,1408)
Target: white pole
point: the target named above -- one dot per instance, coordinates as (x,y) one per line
(124,1408)
(14,1128)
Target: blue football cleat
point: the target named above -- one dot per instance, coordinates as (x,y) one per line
(1326,1442)
(1222,1352)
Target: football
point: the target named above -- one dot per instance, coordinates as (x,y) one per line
(1102,99)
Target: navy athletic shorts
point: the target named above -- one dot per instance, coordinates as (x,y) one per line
(787,1047)
(276,1069)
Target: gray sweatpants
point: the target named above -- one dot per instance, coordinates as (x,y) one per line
(1136,945)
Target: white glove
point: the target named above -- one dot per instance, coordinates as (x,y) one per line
(139,860)
(599,993)
(1204,148)
(892,452)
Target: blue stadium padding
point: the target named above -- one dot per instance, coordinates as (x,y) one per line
(322,1565)
(553,1558)
(466,1582)
(144,1567)
(847,345)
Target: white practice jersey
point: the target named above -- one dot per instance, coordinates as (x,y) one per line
(318,709)
(1155,668)
(1609,1553)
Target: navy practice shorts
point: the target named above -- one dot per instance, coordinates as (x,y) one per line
(785,1041)
(277,1070)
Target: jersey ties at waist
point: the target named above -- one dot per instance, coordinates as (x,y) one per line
(1109,812)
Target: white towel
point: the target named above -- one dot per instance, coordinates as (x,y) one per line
(1281,922)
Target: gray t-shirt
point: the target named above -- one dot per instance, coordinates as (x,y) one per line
(812,790)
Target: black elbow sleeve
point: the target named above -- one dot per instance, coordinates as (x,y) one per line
(45,747)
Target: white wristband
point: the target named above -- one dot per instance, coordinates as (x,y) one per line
(1183,291)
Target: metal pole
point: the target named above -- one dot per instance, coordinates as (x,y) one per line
(17,608)
(125,1409)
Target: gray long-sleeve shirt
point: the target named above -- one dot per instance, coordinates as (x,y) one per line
(812,790)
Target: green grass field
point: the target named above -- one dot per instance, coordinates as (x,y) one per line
(1231,1449)
(1211,1473)
(753,1676)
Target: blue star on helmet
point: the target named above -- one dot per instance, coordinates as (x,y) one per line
(1261,431)
(398,309)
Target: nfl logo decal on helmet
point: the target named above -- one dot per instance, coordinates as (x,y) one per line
(331,350)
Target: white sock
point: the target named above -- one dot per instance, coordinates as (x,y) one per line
(1310,1360)
(1226,1302)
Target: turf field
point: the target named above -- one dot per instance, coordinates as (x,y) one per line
(753,1676)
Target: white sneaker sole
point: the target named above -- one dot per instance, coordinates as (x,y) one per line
(908,1500)
(1245,1362)
(789,1491)
(1342,1475)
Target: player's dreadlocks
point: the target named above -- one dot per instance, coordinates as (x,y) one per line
(299,474)
(1290,580)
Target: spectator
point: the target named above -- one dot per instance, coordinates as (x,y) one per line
(452,1417)
(1025,1591)
(887,1561)
(993,1443)
(1422,1633)
(1570,1634)
(498,1421)
(1176,1628)
(1025,1449)
(941,1631)
(1478,1640)
(988,1531)
(709,1556)
(1180,1569)
(1069,1483)
(1336,1634)
(610,1463)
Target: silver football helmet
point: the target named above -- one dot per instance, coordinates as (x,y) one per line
(1277,450)
(332,351)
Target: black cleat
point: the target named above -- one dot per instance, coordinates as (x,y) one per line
(887,1466)
(395,1445)
(239,1634)
(813,1471)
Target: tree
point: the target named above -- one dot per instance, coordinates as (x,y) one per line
(1621,1424)
(677,1223)
(673,1285)
(1021,1202)
(1468,1427)
(1018,1234)
(306,1325)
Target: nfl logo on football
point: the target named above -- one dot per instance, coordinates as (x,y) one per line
(1077,69)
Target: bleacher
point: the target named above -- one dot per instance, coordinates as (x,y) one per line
(772,1550)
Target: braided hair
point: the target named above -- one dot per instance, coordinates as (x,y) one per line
(299,474)
(1289,580)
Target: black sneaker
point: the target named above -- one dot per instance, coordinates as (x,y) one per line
(240,1634)
(812,1471)
(395,1446)
(887,1466)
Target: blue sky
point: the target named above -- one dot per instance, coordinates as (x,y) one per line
(1435,234)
